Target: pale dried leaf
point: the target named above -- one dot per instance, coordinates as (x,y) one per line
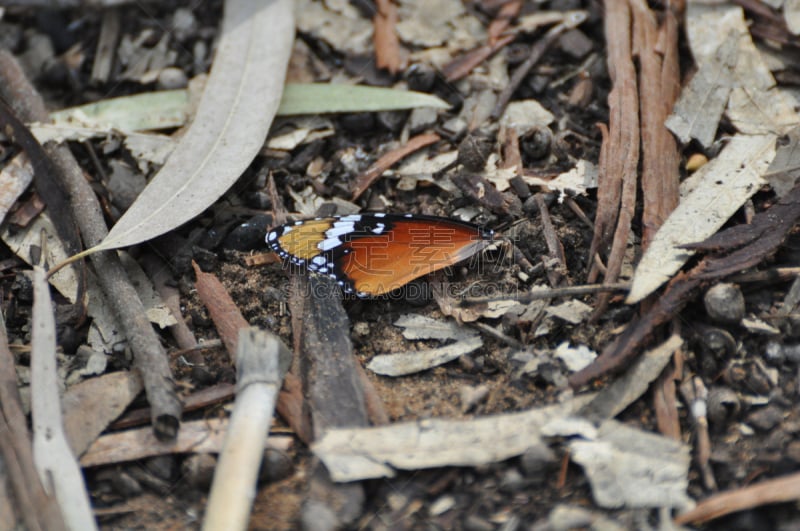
(232,121)
(572,311)
(411,362)
(785,167)
(724,184)
(626,389)
(15,177)
(352,454)
(791,13)
(574,358)
(698,110)
(575,181)
(106,397)
(756,106)
(421,327)
(526,115)
(429,23)
(631,468)
(20,242)
(344,28)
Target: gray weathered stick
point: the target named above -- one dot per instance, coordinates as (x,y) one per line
(149,356)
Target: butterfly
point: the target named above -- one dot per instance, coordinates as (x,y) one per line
(374,253)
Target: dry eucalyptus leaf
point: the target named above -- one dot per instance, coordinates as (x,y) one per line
(23,241)
(756,106)
(724,184)
(698,110)
(106,396)
(785,168)
(411,362)
(232,121)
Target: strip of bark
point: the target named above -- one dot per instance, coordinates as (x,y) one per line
(461,66)
(391,158)
(619,153)
(388,53)
(659,87)
(149,356)
(778,490)
(780,219)
(332,384)
(37,510)
(502,20)
(227,318)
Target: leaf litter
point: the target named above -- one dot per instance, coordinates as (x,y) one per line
(514,335)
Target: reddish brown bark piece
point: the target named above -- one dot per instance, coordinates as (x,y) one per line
(772,491)
(388,53)
(364,180)
(223,311)
(619,153)
(503,19)
(461,66)
(615,357)
(760,239)
(659,86)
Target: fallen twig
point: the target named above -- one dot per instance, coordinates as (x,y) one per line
(149,356)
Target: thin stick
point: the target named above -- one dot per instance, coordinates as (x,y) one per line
(537,51)
(552,293)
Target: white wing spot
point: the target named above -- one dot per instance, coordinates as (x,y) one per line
(329,243)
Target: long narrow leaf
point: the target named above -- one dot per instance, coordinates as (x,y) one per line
(52,455)
(232,121)
(168,108)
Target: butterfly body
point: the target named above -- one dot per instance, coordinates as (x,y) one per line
(374,253)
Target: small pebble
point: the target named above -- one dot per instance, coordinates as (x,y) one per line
(172,78)
(316,516)
(420,77)
(723,406)
(198,470)
(422,118)
(275,466)
(512,481)
(724,303)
